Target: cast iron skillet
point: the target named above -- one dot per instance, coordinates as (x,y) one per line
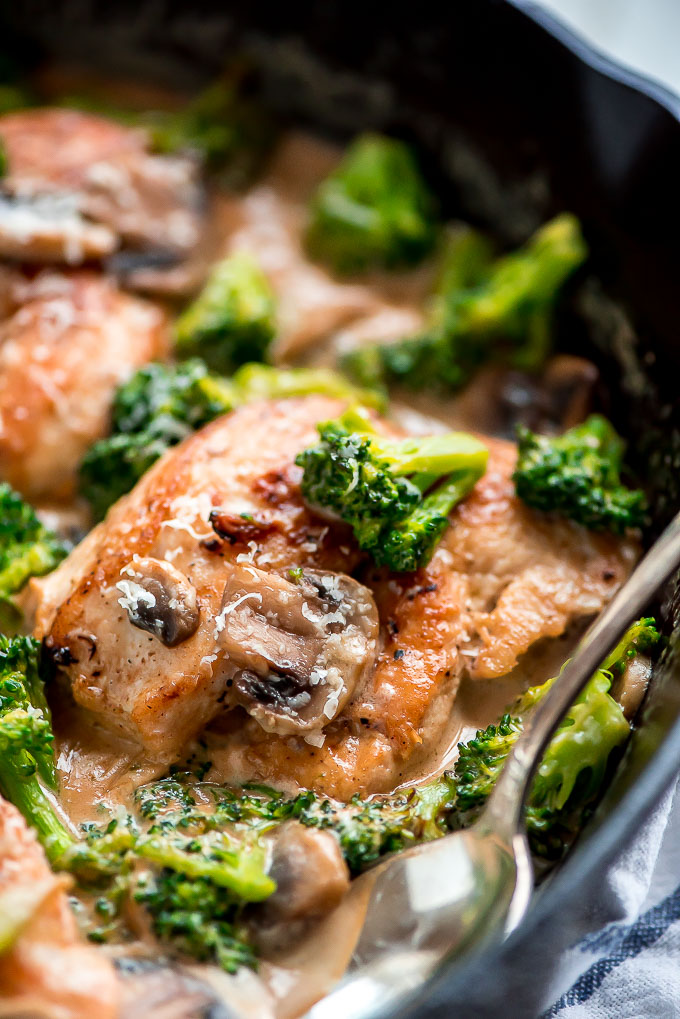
(479,84)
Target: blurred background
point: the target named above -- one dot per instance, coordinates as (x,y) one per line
(644,34)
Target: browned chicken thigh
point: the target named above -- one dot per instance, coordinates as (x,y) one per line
(67,346)
(180,609)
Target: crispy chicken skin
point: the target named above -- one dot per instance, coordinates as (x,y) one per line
(502,578)
(139,198)
(63,351)
(48,970)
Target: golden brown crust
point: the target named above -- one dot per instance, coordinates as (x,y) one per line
(73,339)
(502,578)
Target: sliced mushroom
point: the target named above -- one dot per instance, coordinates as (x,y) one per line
(141,199)
(630,688)
(159,599)
(158,990)
(300,648)
(50,228)
(310,873)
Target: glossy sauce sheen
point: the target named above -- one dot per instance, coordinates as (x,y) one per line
(458,640)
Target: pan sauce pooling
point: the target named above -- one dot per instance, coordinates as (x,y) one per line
(217,628)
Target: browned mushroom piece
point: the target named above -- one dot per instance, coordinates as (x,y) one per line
(100,187)
(300,648)
(159,599)
(158,990)
(558,398)
(310,873)
(629,689)
(50,228)
(567,387)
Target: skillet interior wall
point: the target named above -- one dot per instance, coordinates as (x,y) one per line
(482,88)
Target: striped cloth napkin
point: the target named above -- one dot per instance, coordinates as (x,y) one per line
(631,969)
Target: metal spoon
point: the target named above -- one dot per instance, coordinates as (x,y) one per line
(443,898)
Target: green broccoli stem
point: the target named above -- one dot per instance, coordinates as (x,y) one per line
(576,762)
(482,311)
(19,784)
(242,872)
(428,458)
(452,490)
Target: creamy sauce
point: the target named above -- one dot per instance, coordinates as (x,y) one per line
(319,316)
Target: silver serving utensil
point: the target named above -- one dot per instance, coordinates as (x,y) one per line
(443,898)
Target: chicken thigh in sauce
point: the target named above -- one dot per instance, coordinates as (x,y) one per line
(232,704)
(177,553)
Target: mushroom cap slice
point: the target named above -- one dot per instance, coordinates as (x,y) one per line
(158,598)
(50,228)
(300,647)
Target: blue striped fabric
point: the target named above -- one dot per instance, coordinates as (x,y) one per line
(618,945)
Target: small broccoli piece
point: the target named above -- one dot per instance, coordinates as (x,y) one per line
(221,125)
(386,489)
(374,211)
(369,829)
(14,97)
(195,917)
(26,755)
(574,766)
(157,408)
(480,762)
(114,465)
(578,475)
(482,312)
(161,404)
(228,130)
(171,400)
(236,866)
(263,382)
(232,321)
(365,829)
(27,548)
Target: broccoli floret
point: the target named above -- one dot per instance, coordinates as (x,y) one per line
(374,211)
(501,310)
(232,321)
(15,97)
(228,130)
(369,829)
(386,489)
(171,400)
(161,404)
(26,755)
(197,918)
(576,762)
(27,547)
(157,408)
(114,465)
(365,829)
(191,872)
(578,475)
(194,884)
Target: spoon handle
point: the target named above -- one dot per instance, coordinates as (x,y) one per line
(504,809)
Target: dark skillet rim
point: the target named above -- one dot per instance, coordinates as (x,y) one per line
(622,819)
(595,58)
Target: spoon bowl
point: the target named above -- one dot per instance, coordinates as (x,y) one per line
(443,898)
